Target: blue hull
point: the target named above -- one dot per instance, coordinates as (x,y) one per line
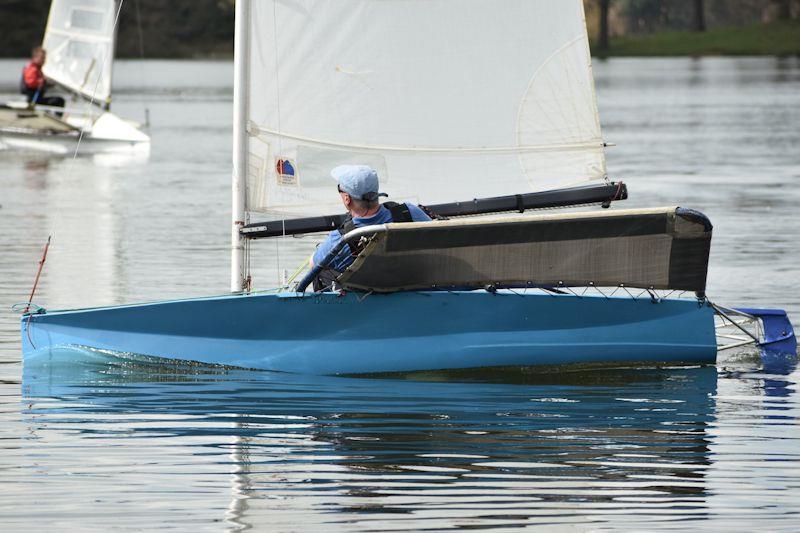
(331,334)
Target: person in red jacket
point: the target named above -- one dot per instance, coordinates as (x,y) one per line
(34,84)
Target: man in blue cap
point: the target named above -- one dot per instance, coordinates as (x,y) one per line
(358,188)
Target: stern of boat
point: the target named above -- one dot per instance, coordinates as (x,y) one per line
(770,330)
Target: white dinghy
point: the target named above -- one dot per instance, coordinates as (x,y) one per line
(79,39)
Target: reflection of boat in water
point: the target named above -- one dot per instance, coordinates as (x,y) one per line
(574,447)
(80,39)
(65,188)
(509,118)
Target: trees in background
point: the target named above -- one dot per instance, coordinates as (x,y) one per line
(603,38)
(176,29)
(647,16)
(784,9)
(699,15)
(205,27)
(163,29)
(607,18)
(22,25)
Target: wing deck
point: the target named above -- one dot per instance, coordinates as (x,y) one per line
(660,248)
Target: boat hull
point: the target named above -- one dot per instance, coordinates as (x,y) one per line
(104,134)
(64,144)
(349,334)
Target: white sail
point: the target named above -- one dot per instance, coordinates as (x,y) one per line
(79,41)
(447,99)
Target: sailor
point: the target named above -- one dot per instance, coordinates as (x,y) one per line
(358,188)
(34,84)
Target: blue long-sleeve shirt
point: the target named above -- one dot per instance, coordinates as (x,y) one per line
(344,258)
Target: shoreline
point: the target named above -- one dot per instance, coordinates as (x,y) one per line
(779,39)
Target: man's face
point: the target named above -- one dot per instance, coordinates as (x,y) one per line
(39,57)
(347,200)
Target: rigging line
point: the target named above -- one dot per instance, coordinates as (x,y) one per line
(247,276)
(277,73)
(71,164)
(278,258)
(281,276)
(297,272)
(278,109)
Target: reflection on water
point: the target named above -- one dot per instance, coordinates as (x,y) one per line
(386,453)
(633,448)
(89,442)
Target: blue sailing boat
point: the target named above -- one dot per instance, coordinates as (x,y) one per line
(447,100)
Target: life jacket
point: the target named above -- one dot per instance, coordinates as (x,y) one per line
(32,78)
(400,213)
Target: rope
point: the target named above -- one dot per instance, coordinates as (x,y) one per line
(278,258)
(278,109)
(283,241)
(247,277)
(297,272)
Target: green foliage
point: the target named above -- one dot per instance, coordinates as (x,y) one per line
(779,38)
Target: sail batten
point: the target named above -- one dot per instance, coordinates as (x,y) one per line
(587,145)
(79,40)
(440,96)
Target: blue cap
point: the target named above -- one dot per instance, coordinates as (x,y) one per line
(359,181)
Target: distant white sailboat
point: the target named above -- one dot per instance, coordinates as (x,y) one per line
(79,39)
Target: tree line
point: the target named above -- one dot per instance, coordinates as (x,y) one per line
(615,17)
(148,28)
(203,28)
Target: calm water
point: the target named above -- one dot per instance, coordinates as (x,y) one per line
(147,445)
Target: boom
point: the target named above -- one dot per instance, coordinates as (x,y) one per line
(604,194)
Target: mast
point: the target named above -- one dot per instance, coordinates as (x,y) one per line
(240,105)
